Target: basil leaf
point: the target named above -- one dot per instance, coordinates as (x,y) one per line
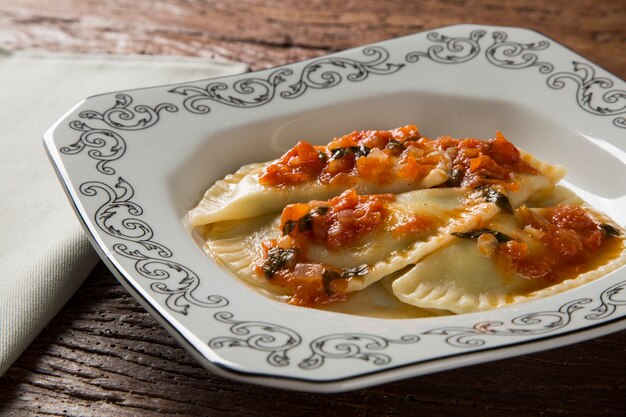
(355,271)
(276,259)
(360,151)
(492,196)
(609,231)
(357,151)
(288,227)
(305,223)
(338,153)
(327,277)
(475,234)
(456,177)
(321,211)
(395,145)
(501,237)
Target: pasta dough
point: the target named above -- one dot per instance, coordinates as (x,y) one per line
(241,196)
(447,224)
(463,277)
(308,173)
(385,250)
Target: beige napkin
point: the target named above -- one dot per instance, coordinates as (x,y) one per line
(44,254)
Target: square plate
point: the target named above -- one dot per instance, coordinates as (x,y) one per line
(134,162)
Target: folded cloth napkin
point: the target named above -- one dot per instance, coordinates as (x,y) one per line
(44,254)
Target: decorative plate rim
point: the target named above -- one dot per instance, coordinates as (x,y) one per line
(119,117)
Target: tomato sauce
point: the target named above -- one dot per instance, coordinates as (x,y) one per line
(571,243)
(402,154)
(337,223)
(304,162)
(476,162)
(377,156)
(568,241)
(310,291)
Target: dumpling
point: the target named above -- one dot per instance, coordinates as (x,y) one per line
(514,258)
(417,214)
(371,162)
(317,252)
(374,234)
(498,165)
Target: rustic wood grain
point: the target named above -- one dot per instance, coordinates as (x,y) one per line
(103,355)
(268,33)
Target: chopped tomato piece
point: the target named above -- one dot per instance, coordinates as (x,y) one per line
(569,239)
(503,151)
(375,167)
(300,164)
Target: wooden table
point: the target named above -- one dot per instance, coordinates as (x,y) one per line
(104,355)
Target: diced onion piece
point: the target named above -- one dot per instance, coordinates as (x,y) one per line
(487,244)
(308,271)
(533,232)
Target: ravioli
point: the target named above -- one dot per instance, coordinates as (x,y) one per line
(317,252)
(371,162)
(513,258)
(446,225)
(241,196)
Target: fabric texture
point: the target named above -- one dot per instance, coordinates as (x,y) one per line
(44,254)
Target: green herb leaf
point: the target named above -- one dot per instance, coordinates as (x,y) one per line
(492,196)
(360,151)
(288,227)
(327,277)
(355,271)
(276,259)
(475,234)
(395,144)
(357,151)
(609,231)
(501,237)
(321,211)
(305,223)
(456,178)
(338,153)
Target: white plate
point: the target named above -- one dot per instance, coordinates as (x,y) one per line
(134,162)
